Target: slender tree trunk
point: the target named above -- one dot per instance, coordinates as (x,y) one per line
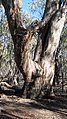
(39,72)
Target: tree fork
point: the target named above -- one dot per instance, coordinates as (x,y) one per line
(38,73)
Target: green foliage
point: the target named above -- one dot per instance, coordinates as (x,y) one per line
(37,8)
(62,51)
(27,19)
(6,44)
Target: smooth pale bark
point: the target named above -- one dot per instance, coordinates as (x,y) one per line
(38,73)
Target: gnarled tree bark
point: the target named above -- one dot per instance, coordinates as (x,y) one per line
(39,72)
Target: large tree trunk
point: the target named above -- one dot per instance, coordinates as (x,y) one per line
(39,72)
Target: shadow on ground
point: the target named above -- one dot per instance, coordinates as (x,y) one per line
(13,107)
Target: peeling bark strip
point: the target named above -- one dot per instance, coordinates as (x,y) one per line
(38,73)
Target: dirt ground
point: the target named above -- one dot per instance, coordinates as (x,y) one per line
(13,107)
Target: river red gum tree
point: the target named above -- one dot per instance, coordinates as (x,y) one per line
(39,72)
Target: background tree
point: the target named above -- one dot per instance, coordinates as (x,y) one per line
(38,73)
(61,62)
